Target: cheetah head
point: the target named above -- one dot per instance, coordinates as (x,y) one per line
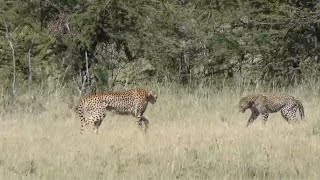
(152,97)
(244,105)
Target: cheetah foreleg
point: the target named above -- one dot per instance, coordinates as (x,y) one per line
(254,116)
(143,121)
(146,123)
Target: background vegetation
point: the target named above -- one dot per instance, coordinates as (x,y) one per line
(200,56)
(92,44)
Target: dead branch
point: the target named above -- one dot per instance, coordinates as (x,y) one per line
(80,87)
(30,68)
(8,37)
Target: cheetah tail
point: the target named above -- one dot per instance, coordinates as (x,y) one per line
(301,109)
(78,108)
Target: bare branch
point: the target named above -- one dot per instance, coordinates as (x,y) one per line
(116,75)
(8,37)
(87,65)
(80,87)
(30,68)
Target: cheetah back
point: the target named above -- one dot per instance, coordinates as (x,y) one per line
(129,102)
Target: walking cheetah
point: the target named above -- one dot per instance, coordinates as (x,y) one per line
(270,103)
(93,108)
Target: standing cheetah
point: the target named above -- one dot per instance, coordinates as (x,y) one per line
(270,103)
(93,108)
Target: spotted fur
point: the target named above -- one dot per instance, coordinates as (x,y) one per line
(271,103)
(93,108)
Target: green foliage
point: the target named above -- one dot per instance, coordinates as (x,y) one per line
(185,41)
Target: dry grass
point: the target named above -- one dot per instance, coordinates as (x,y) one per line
(197,135)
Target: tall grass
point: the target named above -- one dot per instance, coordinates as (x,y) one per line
(193,134)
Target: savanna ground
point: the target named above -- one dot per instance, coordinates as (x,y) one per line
(192,135)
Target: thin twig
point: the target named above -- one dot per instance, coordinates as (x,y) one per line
(30,68)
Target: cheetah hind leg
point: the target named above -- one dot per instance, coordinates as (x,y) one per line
(265,118)
(82,125)
(96,125)
(82,122)
(85,124)
(284,115)
(290,115)
(97,118)
(90,124)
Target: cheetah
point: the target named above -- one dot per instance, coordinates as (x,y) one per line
(271,103)
(92,109)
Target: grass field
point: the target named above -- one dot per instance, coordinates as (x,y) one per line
(192,135)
